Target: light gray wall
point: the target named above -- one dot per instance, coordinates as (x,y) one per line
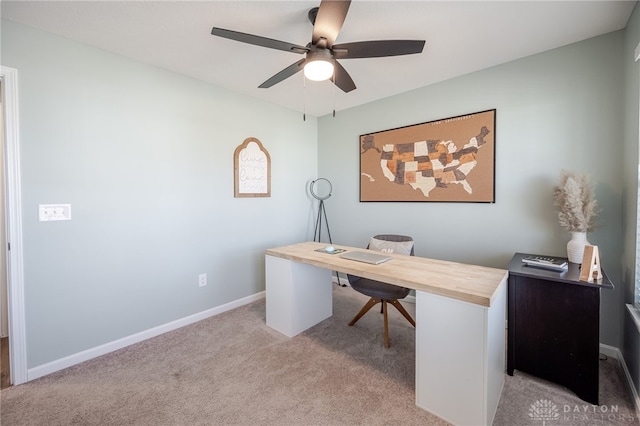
(557,110)
(145,158)
(631,342)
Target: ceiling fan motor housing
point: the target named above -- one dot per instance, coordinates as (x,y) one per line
(319,54)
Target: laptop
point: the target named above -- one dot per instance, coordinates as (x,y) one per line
(366,256)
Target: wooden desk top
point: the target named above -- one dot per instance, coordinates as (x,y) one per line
(469,283)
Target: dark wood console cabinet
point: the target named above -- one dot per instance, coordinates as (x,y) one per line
(553,326)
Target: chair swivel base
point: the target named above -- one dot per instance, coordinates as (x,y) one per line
(371,303)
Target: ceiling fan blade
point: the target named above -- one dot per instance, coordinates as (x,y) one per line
(331,16)
(258,40)
(377,48)
(342,79)
(284,74)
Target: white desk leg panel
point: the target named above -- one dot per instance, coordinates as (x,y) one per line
(460,357)
(298,295)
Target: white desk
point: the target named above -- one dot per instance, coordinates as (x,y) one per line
(460,320)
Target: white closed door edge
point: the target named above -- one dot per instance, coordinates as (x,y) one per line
(13,219)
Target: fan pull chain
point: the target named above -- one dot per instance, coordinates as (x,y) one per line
(304,98)
(334,94)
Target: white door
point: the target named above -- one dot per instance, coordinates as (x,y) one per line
(4,308)
(12,205)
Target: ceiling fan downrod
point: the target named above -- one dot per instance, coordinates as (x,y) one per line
(313,13)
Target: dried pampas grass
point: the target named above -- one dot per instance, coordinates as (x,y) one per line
(574,197)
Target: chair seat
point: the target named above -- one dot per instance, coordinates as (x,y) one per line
(379,289)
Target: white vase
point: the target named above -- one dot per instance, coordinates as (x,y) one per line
(575,246)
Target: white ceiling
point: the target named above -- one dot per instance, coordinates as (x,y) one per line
(461,37)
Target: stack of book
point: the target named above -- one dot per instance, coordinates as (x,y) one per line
(546,262)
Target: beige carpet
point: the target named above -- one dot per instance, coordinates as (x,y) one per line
(233,369)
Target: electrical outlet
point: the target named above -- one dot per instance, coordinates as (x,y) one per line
(49,212)
(202,280)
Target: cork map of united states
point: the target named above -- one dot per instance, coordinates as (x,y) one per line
(429,164)
(423,169)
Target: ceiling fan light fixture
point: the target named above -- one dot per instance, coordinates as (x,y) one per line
(318,70)
(319,65)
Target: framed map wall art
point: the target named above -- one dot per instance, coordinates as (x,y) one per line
(450,160)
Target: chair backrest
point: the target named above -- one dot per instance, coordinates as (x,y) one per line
(394,238)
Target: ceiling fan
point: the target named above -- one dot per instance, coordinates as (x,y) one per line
(320,61)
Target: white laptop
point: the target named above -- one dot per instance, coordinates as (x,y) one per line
(370,256)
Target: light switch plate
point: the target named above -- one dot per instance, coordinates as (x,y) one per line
(50,212)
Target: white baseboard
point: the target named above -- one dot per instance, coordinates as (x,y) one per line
(614,352)
(635,315)
(68,361)
(611,352)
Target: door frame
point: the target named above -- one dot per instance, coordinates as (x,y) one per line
(13,218)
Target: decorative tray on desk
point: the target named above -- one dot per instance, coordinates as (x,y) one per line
(334,251)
